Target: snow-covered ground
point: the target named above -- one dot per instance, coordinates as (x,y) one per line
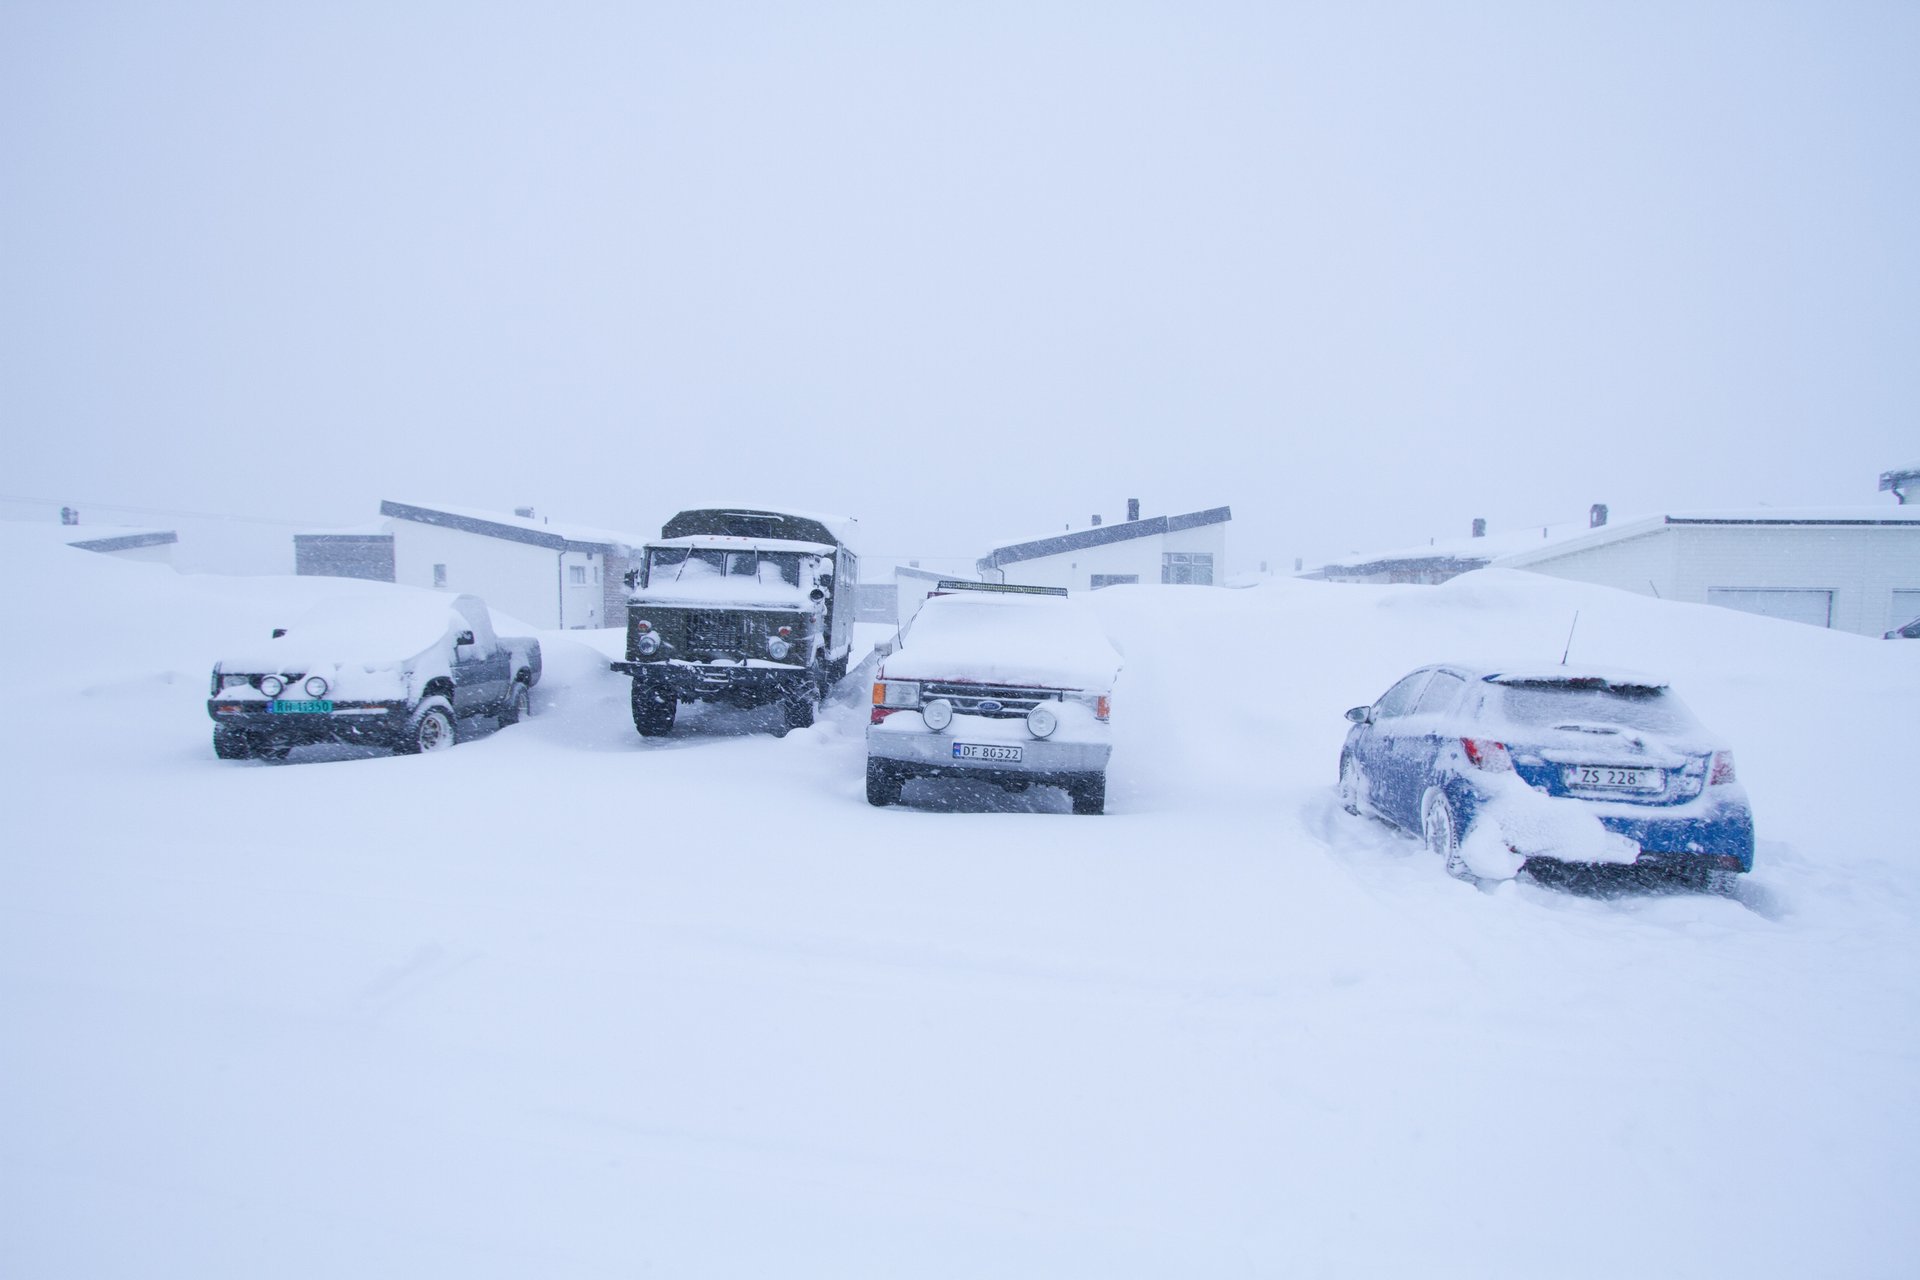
(566,1002)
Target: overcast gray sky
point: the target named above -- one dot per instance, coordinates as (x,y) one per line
(1362,271)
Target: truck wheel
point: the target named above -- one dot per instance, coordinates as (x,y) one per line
(431,728)
(654,713)
(519,704)
(1089,795)
(797,706)
(883,785)
(231,745)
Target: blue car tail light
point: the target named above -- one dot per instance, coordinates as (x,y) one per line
(1485,753)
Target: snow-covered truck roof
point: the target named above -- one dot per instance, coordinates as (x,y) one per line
(391,626)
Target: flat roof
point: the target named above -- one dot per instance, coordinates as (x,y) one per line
(1101,535)
(532,531)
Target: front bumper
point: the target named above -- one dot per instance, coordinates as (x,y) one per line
(910,749)
(746,684)
(380,722)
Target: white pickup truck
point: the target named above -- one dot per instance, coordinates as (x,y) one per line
(1005,685)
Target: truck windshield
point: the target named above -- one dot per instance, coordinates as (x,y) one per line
(681,564)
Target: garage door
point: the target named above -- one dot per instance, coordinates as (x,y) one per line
(1906,607)
(1812,607)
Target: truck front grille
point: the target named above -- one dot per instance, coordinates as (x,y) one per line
(1013,702)
(718,633)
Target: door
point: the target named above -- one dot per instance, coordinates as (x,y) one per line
(1380,761)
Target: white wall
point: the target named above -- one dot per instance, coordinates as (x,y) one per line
(1141,557)
(516,578)
(585,605)
(1862,565)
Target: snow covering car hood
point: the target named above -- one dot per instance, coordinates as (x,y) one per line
(1022,640)
(370,632)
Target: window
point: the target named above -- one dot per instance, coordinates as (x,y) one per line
(1399,700)
(1100,580)
(439,575)
(1187,568)
(1440,695)
(576,575)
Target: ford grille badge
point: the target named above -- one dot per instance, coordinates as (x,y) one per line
(989,706)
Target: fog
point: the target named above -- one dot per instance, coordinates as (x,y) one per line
(968,273)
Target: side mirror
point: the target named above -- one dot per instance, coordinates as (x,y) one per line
(278,632)
(631,577)
(1360,715)
(465,637)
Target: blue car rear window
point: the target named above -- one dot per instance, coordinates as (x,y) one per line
(1549,705)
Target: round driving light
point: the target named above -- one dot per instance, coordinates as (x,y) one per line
(315,687)
(1041,722)
(272,685)
(778,649)
(938,714)
(648,645)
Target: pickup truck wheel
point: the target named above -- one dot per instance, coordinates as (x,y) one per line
(1089,795)
(519,704)
(883,785)
(229,745)
(431,728)
(654,713)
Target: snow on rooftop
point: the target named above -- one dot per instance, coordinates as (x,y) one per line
(535,524)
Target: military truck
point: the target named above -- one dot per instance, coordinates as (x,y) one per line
(739,606)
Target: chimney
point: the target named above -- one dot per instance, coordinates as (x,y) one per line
(1133,508)
(1096,522)
(1597,515)
(525,513)
(1479,526)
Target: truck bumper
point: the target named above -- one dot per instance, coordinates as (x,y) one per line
(740,686)
(376,723)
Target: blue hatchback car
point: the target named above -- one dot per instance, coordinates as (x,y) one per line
(1497,767)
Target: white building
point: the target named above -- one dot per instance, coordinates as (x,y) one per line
(1187,549)
(1852,569)
(551,576)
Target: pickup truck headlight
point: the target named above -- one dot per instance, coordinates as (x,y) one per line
(897,694)
(228,680)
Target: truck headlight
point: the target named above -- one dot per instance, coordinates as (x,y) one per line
(228,680)
(647,645)
(778,649)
